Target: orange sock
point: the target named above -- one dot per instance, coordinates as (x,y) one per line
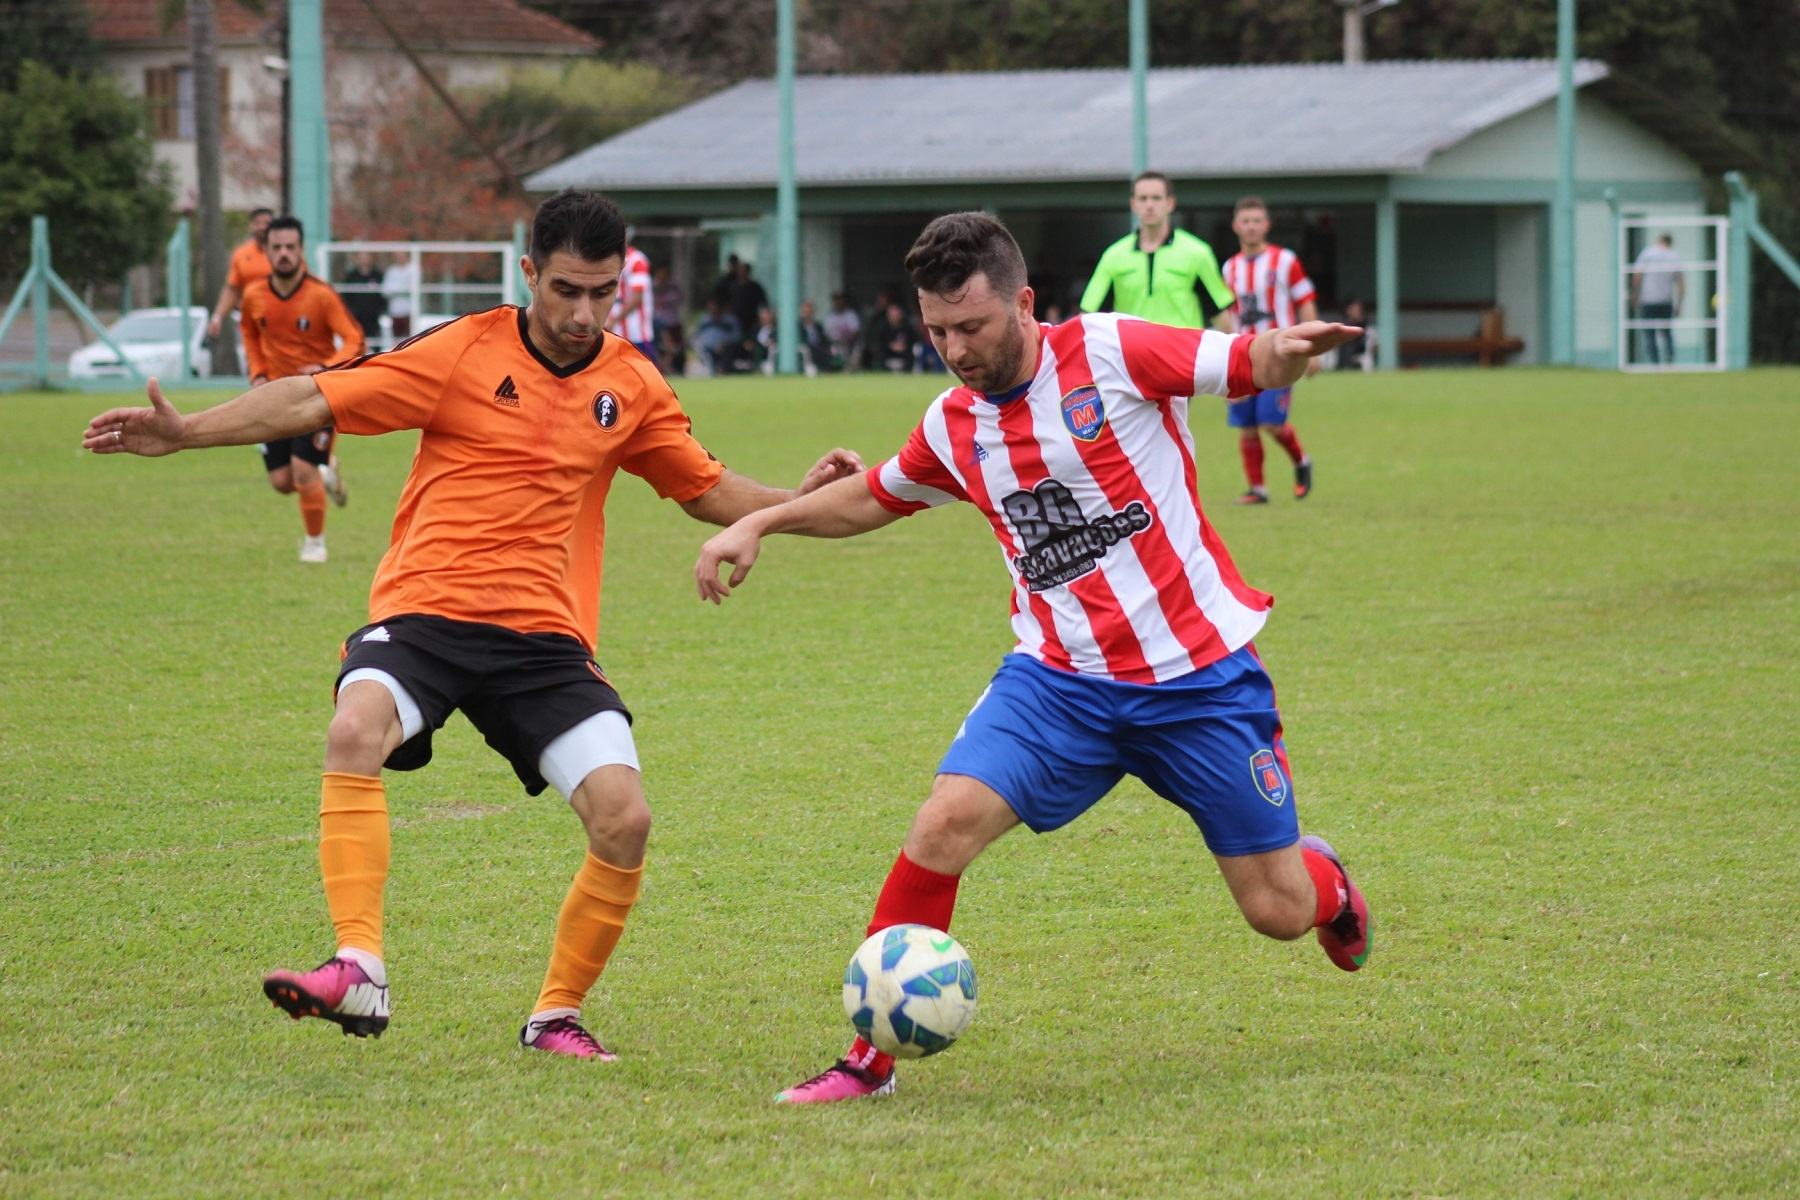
(593,917)
(353,856)
(312,507)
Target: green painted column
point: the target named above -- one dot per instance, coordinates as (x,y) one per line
(787,203)
(1140,86)
(1615,290)
(40,300)
(309,141)
(1737,273)
(521,246)
(1387,283)
(1562,209)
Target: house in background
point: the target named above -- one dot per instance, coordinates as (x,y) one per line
(1460,155)
(465,43)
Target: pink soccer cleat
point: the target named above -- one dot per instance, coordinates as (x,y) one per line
(565,1036)
(337,990)
(841,1082)
(1348,937)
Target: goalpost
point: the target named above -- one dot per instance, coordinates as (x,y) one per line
(444,280)
(1691,337)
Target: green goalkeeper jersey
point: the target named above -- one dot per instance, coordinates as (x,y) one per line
(1163,285)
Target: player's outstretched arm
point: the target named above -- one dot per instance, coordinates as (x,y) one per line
(1279,357)
(736,496)
(284,408)
(841,509)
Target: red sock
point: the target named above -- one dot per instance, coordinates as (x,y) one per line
(1290,441)
(912,895)
(1328,882)
(1251,447)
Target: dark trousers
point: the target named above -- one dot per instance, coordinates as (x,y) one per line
(1659,312)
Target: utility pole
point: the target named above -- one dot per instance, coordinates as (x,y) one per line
(203,50)
(1562,211)
(787,202)
(1355,48)
(1140,86)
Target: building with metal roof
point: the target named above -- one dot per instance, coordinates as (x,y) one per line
(1436,175)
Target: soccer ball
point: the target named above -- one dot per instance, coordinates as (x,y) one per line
(910,990)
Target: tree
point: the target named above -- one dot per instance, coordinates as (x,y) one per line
(203,45)
(77,151)
(52,32)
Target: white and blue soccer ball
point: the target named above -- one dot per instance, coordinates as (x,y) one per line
(910,990)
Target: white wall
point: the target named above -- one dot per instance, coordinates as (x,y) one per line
(1519,276)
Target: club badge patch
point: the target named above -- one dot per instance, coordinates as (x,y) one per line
(305,323)
(606,410)
(1082,412)
(1265,769)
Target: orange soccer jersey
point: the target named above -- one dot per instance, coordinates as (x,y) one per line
(503,517)
(284,333)
(249,261)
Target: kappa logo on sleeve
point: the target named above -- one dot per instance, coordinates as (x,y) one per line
(1265,769)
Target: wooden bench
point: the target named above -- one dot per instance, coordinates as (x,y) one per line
(1490,347)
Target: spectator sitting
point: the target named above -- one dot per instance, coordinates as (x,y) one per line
(892,341)
(763,349)
(842,327)
(815,347)
(720,339)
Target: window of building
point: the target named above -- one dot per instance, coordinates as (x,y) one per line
(170,92)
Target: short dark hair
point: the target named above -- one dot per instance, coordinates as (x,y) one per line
(259,210)
(1141,176)
(1249,202)
(289,222)
(958,246)
(583,223)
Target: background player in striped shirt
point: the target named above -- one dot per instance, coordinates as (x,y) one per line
(634,316)
(1272,292)
(488,600)
(295,323)
(1134,628)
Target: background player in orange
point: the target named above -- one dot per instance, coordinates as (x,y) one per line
(489,598)
(296,324)
(250,260)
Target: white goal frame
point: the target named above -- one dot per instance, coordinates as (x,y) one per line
(1711,267)
(509,289)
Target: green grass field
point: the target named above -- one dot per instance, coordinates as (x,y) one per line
(1538,646)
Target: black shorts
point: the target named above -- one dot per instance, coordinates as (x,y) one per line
(521,690)
(314,447)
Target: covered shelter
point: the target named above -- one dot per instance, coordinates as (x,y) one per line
(1422,188)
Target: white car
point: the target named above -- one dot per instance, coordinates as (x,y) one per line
(151,339)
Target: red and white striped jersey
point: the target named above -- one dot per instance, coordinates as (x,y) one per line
(1270,288)
(634,276)
(1087,476)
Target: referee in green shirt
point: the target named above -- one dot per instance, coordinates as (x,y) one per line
(1159,273)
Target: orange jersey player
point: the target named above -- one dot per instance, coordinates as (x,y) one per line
(488,600)
(249,261)
(295,324)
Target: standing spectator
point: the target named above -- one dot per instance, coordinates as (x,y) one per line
(892,340)
(815,347)
(762,347)
(1358,354)
(727,280)
(747,302)
(362,293)
(668,308)
(720,338)
(397,288)
(1657,289)
(843,327)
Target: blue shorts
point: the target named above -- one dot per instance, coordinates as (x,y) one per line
(1053,743)
(1264,408)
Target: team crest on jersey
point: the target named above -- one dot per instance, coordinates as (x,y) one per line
(305,323)
(606,410)
(1265,769)
(1083,414)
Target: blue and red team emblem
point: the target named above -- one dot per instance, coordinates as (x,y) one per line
(1265,769)
(1083,413)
